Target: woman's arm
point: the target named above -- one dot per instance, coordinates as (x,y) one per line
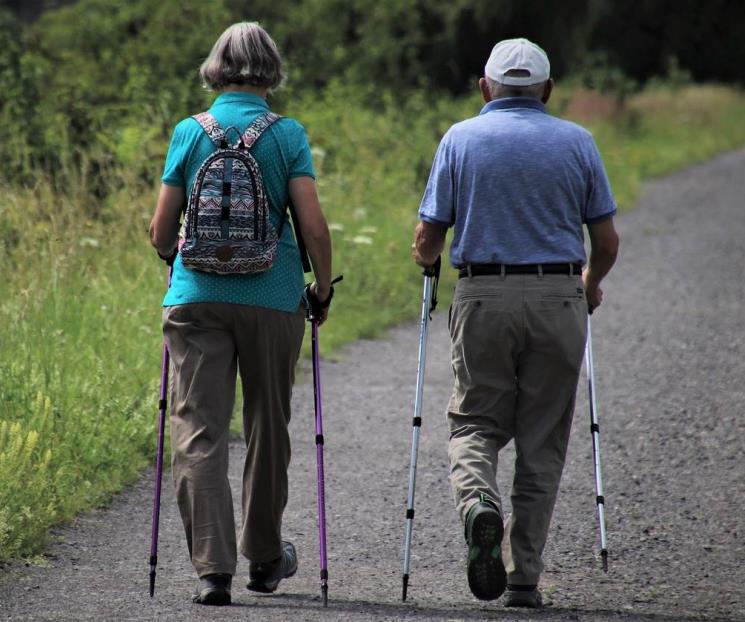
(165,223)
(315,233)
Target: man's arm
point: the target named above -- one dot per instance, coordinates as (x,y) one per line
(429,240)
(603,252)
(437,209)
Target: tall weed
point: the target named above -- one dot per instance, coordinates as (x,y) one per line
(78,343)
(664,129)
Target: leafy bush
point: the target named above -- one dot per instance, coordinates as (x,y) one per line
(89,76)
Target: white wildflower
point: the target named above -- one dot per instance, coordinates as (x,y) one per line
(92,242)
(369,230)
(318,152)
(362,239)
(336,226)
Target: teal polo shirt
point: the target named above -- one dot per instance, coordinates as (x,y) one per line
(282,153)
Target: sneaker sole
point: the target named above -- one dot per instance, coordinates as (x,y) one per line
(486,575)
(523,599)
(267,588)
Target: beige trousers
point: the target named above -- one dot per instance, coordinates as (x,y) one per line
(209,343)
(517,347)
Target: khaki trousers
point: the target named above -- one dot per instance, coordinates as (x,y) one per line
(209,343)
(517,348)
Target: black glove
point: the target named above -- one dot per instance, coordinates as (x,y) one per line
(316,306)
(170,258)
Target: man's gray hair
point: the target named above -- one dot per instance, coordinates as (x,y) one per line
(498,90)
(244,54)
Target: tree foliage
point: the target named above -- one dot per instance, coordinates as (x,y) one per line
(646,37)
(104,80)
(438,44)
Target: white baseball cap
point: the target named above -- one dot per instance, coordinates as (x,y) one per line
(521,56)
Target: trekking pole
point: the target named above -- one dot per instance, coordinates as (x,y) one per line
(595,429)
(162,407)
(313,313)
(429,303)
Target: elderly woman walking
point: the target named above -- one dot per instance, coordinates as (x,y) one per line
(223,317)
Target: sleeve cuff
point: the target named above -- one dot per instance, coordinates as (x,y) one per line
(434,221)
(599,219)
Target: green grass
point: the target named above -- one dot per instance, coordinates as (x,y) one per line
(372,165)
(664,130)
(79,302)
(79,341)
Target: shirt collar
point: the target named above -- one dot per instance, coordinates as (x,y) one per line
(239,97)
(506,103)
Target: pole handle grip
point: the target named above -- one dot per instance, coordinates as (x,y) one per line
(433,272)
(434,269)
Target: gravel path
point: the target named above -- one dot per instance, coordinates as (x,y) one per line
(669,368)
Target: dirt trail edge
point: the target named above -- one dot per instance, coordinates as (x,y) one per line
(670,365)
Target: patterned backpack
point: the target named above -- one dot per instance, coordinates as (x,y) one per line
(226,228)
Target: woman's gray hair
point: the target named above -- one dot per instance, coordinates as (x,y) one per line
(244,54)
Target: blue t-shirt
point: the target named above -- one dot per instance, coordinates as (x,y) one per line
(517,184)
(282,153)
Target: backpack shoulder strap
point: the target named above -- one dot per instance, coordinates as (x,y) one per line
(211,127)
(304,259)
(258,127)
(250,136)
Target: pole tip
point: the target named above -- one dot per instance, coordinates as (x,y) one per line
(604,557)
(325,592)
(152,583)
(405,587)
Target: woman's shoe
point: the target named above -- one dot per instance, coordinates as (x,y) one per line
(213,589)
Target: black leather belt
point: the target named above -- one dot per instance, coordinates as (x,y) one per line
(482,269)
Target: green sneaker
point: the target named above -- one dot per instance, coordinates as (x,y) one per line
(486,575)
(523,596)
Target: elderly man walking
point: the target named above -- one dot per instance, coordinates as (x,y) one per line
(517,185)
